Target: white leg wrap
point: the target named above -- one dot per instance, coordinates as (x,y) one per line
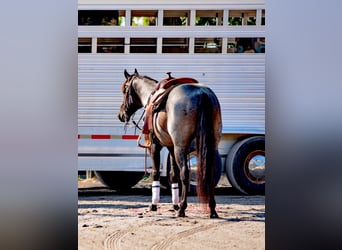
(155,192)
(175,193)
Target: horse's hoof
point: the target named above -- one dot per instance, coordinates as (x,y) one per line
(176,207)
(213,215)
(181,213)
(153,207)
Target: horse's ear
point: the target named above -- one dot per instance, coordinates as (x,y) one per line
(127,75)
(136,72)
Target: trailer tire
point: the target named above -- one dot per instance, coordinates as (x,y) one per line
(245,166)
(193,168)
(119,180)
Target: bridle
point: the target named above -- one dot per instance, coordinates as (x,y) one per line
(131,101)
(130,96)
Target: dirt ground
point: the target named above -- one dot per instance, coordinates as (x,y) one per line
(110,220)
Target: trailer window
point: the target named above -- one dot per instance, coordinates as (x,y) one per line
(209,17)
(208,45)
(175,45)
(242,17)
(246,45)
(98,17)
(176,17)
(110,45)
(144,17)
(84,45)
(143,45)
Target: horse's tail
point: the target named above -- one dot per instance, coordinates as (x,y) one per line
(205,149)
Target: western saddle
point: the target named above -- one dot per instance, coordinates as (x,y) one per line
(159,94)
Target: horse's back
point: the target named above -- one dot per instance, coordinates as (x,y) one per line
(189,96)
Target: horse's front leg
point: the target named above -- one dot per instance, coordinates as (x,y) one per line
(155,174)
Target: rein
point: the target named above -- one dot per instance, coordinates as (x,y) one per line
(136,124)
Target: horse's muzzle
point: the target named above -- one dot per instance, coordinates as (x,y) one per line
(121,117)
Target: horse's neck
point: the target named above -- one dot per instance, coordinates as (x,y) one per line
(145,91)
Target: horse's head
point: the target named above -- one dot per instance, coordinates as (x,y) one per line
(131,101)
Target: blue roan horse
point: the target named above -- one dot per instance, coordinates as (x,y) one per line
(190,112)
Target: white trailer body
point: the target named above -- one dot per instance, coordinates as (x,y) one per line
(207,53)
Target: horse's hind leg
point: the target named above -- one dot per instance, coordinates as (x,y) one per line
(212,202)
(212,205)
(181,159)
(174,178)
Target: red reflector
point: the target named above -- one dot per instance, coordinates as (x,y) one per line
(130,137)
(100,137)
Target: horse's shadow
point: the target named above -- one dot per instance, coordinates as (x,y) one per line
(257,216)
(110,206)
(139,206)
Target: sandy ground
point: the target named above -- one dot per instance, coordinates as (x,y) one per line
(110,220)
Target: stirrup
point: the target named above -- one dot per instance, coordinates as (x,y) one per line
(148,140)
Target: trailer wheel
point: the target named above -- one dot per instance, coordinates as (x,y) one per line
(192,158)
(118,180)
(245,165)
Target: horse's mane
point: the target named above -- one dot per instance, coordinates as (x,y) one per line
(149,78)
(139,76)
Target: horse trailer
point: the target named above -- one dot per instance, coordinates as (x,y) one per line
(220,43)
